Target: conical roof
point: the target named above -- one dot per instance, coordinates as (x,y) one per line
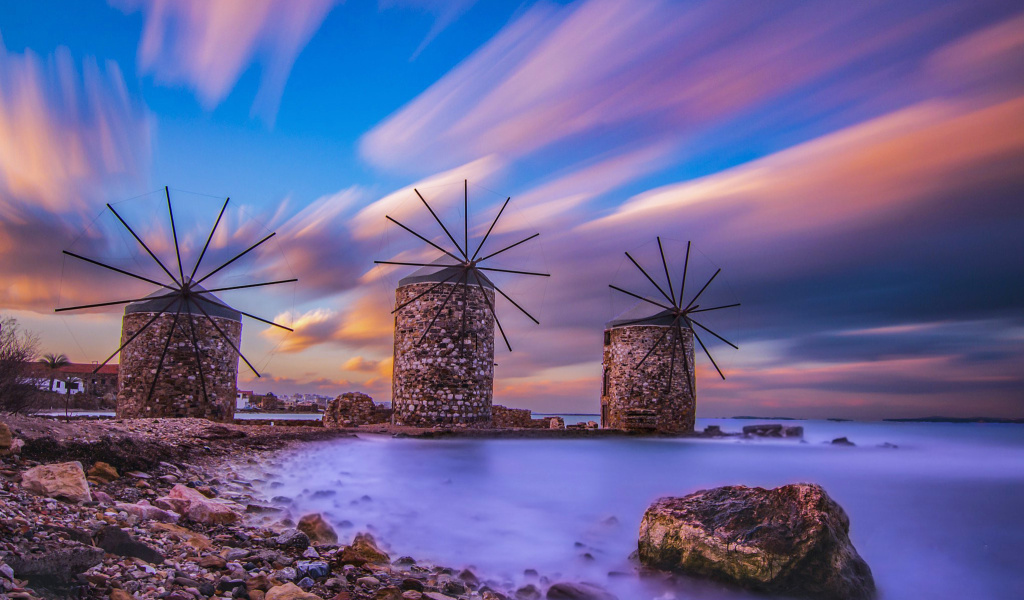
(157,301)
(442,270)
(640,314)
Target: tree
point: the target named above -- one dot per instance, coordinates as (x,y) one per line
(56,362)
(18,349)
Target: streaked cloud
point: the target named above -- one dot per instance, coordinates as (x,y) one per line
(206,45)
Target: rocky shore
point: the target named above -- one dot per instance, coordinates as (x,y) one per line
(154,508)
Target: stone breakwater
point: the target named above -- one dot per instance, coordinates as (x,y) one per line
(156,508)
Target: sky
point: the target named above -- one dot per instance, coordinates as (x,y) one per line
(855,169)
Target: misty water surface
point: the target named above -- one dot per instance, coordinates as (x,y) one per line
(938,517)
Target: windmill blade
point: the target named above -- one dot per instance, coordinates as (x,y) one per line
(686,266)
(651,351)
(495,315)
(514,303)
(648,300)
(420,295)
(465,215)
(664,263)
(113,303)
(493,223)
(517,272)
(242,312)
(121,271)
(174,232)
(423,238)
(244,252)
(703,288)
(713,308)
(439,222)
(695,322)
(686,365)
(651,279)
(198,355)
(242,287)
(226,338)
(136,334)
(412,264)
(708,353)
(671,369)
(163,354)
(441,308)
(210,237)
(507,248)
(143,244)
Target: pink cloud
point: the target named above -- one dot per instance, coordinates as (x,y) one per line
(208,44)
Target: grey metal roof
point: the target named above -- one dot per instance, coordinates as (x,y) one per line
(154,303)
(442,271)
(640,314)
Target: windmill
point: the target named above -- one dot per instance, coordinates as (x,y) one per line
(444,328)
(649,357)
(179,344)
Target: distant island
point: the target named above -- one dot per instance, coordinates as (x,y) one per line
(956,420)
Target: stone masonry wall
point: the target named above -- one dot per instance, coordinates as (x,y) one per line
(448,379)
(641,399)
(178,391)
(353,409)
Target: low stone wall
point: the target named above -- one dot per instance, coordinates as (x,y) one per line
(503,417)
(353,409)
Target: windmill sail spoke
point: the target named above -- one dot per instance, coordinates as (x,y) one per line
(163,354)
(686,364)
(113,303)
(260,319)
(651,351)
(493,223)
(671,368)
(143,244)
(420,295)
(668,277)
(686,266)
(692,302)
(198,355)
(508,247)
(424,239)
(238,256)
(136,334)
(412,264)
(512,271)
(441,308)
(226,338)
(121,271)
(504,295)
(651,279)
(210,237)
(639,297)
(242,287)
(495,315)
(708,353)
(465,216)
(174,232)
(439,222)
(700,310)
(695,322)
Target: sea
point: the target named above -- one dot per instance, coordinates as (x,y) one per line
(938,516)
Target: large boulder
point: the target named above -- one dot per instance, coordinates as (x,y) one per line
(318,530)
(199,508)
(54,566)
(791,540)
(62,480)
(119,542)
(363,550)
(289,591)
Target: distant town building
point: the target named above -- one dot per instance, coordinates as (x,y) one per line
(76,378)
(243,399)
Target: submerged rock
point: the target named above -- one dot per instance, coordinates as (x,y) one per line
(363,550)
(62,480)
(578,591)
(791,540)
(842,441)
(318,530)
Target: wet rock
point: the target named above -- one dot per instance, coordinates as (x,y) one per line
(773,430)
(388,593)
(412,584)
(145,511)
(213,561)
(118,541)
(102,472)
(792,539)
(6,439)
(528,592)
(306,583)
(55,566)
(315,569)
(888,445)
(411,595)
(577,591)
(293,539)
(201,509)
(469,577)
(363,550)
(318,530)
(62,480)
(437,596)
(842,441)
(289,591)
(119,594)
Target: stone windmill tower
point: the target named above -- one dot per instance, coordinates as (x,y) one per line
(444,332)
(648,360)
(180,344)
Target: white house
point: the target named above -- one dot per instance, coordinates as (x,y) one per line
(242,399)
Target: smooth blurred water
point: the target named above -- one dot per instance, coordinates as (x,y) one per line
(938,517)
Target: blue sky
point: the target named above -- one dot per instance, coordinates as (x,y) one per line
(854,170)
